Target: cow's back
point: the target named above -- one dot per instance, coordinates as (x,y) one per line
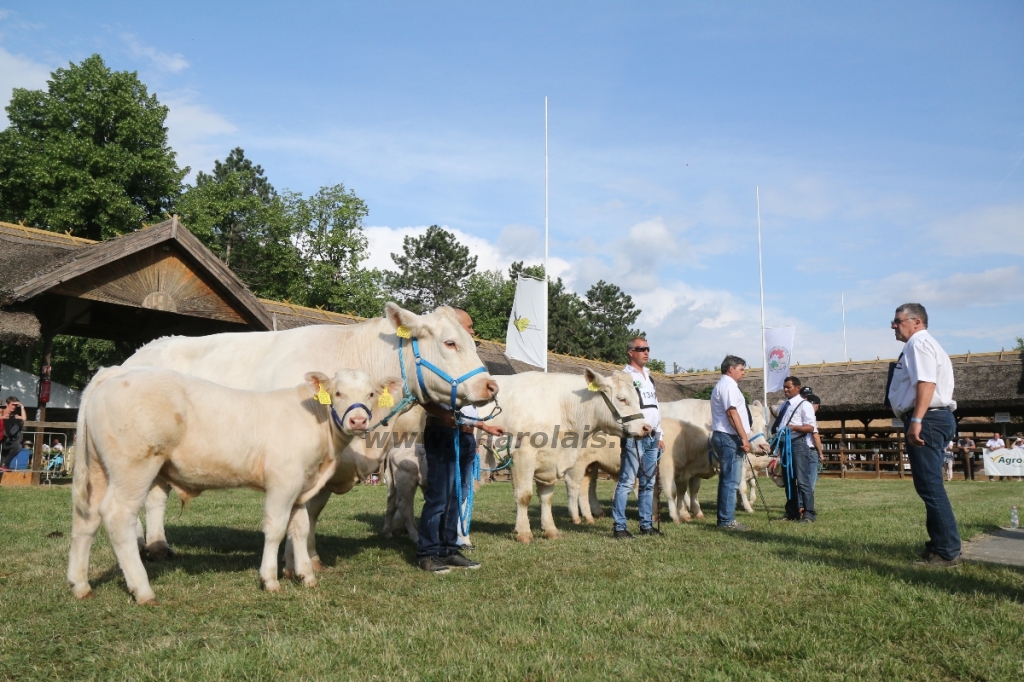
(690,410)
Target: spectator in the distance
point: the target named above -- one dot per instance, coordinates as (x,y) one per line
(14,427)
(995,443)
(965,446)
(947,460)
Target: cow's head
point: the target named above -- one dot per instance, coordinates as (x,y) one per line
(444,343)
(353,395)
(618,410)
(758,429)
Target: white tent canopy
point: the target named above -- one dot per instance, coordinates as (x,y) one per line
(25,387)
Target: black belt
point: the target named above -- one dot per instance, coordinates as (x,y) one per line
(936,409)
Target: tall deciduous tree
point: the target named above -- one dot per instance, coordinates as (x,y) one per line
(88,155)
(329,231)
(433,269)
(610,313)
(238,215)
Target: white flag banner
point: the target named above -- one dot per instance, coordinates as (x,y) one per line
(778,343)
(1003,462)
(527,337)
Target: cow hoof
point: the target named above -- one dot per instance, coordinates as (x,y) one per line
(309,581)
(159,552)
(289,574)
(414,537)
(386,535)
(552,534)
(82,592)
(271,586)
(599,515)
(318,565)
(577,522)
(147,602)
(590,521)
(700,516)
(525,538)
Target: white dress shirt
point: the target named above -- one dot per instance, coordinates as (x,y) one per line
(923,360)
(801,413)
(726,394)
(648,398)
(995,444)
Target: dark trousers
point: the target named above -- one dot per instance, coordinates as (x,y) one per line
(439,520)
(937,429)
(10,451)
(800,488)
(968,466)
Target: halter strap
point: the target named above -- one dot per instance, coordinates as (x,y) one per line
(615,412)
(422,362)
(340,421)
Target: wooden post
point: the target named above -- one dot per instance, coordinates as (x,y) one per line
(37,442)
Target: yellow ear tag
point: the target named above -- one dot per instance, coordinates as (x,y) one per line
(385,399)
(323,397)
(593,387)
(403,332)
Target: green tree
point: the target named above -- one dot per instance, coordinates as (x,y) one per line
(433,270)
(610,312)
(328,228)
(656,365)
(238,215)
(87,156)
(569,330)
(488,298)
(1020,343)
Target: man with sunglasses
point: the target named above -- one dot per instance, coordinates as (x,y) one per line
(921,394)
(639,455)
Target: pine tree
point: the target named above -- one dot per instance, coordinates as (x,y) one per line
(433,270)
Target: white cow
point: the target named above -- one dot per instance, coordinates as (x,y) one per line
(688,461)
(141,423)
(269,360)
(583,476)
(538,406)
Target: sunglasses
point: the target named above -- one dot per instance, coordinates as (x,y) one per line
(897,321)
(641,349)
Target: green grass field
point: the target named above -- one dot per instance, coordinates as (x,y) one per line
(835,600)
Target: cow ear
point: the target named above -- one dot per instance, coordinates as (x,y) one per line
(595,382)
(407,324)
(319,382)
(393,386)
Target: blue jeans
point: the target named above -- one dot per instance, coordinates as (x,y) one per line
(647,463)
(730,459)
(439,520)
(802,477)
(937,429)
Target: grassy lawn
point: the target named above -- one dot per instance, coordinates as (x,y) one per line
(834,600)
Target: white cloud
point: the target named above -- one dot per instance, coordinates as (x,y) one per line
(17,71)
(162,60)
(197,133)
(987,230)
(996,286)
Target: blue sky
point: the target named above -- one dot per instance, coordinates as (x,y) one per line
(887,140)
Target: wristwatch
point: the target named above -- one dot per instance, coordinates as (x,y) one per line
(915,420)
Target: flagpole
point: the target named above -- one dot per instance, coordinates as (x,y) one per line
(760,272)
(843,300)
(546,271)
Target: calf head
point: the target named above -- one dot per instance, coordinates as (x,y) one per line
(758,444)
(618,413)
(446,345)
(353,395)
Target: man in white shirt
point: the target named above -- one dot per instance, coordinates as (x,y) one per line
(798,415)
(729,437)
(639,455)
(995,443)
(921,394)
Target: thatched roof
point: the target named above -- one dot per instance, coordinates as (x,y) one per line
(18,328)
(100,289)
(984,383)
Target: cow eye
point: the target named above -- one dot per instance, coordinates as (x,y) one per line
(450,344)
(338,393)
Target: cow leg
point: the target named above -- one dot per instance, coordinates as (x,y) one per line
(389,511)
(545,492)
(298,534)
(596,511)
(683,500)
(572,493)
(742,495)
(314,506)
(522,486)
(83,529)
(671,498)
(157,547)
(277,512)
(120,511)
(694,501)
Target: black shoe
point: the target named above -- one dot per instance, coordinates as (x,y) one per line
(467,548)
(433,564)
(925,554)
(457,560)
(623,535)
(806,520)
(787,518)
(651,531)
(734,526)
(935,561)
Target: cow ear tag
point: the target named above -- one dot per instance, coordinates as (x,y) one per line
(403,332)
(593,387)
(323,396)
(385,399)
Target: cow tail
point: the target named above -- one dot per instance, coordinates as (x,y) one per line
(83,461)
